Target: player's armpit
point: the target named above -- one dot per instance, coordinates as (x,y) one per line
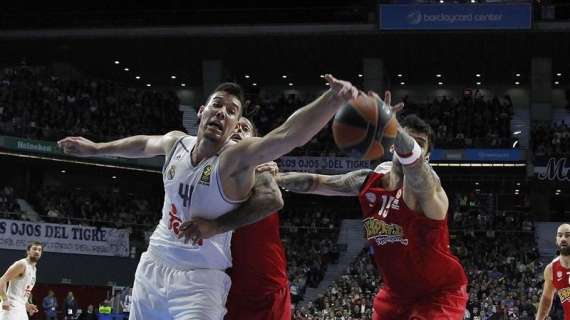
(348,184)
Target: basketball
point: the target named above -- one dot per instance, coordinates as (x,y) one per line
(365,128)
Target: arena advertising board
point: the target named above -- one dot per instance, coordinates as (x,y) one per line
(64,238)
(553,169)
(455,16)
(322,164)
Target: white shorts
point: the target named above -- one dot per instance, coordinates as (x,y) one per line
(162,292)
(15,313)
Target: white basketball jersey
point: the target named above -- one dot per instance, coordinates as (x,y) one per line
(20,289)
(191,191)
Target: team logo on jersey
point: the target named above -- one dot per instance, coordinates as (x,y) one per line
(178,157)
(564,295)
(371,197)
(383,232)
(171,172)
(205,178)
(559,274)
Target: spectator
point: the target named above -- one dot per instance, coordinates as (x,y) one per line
(70,306)
(126,301)
(49,305)
(89,314)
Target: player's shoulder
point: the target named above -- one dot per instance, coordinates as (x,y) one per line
(550,266)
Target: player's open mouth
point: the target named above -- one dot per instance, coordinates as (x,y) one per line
(215,125)
(236,137)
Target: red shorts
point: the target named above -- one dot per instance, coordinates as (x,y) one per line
(273,306)
(447,304)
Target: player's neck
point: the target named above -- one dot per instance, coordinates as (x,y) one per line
(565,261)
(204,149)
(33,263)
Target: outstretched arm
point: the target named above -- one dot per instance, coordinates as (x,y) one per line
(548,292)
(419,178)
(348,184)
(296,131)
(265,200)
(140,146)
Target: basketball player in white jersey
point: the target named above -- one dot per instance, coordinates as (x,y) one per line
(205,176)
(20,279)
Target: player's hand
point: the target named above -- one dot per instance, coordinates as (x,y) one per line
(343,89)
(78,146)
(6,305)
(270,167)
(31,308)
(198,229)
(388,101)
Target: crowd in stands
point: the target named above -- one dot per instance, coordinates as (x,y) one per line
(308,255)
(71,309)
(36,104)
(551,140)
(9,208)
(472,121)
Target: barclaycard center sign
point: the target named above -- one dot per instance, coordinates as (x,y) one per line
(455,16)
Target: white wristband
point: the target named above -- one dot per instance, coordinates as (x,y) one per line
(410,158)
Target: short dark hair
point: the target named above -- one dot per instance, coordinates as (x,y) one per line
(233,89)
(254,131)
(34,243)
(417,124)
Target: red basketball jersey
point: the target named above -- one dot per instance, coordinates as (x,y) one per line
(561,281)
(259,263)
(410,250)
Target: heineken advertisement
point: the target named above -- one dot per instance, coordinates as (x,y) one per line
(48,148)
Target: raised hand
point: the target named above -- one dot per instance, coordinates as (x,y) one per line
(388,100)
(78,146)
(343,89)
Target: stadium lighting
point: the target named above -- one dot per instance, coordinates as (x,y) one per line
(478,83)
(476,183)
(360,75)
(322,75)
(438,75)
(137,77)
(172,77)
(559,74)
(62,171)
(556,82)
(515,144)
(326,84)
(284,76)
(246,76)
(558,190)
(517,132)
(473,1)
(518,184)
(517,83)
(441,1)
(478,75)
(114,177)
(254,84)
(183,84)
(117,62)
(440,83)
(126,69)
(402,83)
(399,75)
(290,84)
(148,84)
(517,75)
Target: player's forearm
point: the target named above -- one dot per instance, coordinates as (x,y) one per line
(130,147)
(418,175)
(543,308)
(265,200)
(297,182)
(3,295)
(306,122)
(348,184)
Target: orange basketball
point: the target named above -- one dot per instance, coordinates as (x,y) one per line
(365,128)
